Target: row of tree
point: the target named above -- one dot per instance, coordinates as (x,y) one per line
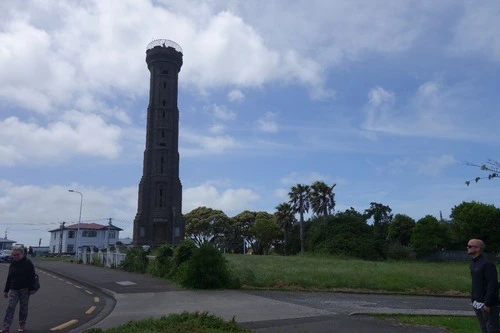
(373,234)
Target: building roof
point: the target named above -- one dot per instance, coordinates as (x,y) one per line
(89,226)
(5,240)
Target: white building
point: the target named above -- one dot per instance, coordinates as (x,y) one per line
(64,239)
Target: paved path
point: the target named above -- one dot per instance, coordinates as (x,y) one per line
(140,296)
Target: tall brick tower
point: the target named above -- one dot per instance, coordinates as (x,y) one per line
(159,220)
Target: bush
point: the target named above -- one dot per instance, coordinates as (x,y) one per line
(183,253)
(180,323)
(206,269)
(396,251)
(135,261)
(162,265)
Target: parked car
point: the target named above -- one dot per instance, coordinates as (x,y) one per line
(6,256)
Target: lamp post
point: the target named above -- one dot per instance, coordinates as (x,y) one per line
(79,220)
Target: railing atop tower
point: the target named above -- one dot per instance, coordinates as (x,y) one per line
(164,43)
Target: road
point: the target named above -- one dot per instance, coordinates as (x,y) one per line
(59,306)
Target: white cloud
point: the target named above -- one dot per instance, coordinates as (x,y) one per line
(230,201)
(268,123)
(435,165)
(235,95)
(29,211)
(434,111)
(217,128)
(223,113)
(295,178)
(75,133)
(477,30)
(194,144)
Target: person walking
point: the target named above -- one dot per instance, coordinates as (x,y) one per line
(18,288)
(484,292)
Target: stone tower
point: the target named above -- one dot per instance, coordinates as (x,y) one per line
(159,220)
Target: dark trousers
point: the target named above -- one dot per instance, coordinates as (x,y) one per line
(488,322)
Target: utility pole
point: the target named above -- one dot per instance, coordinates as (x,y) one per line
(109,226)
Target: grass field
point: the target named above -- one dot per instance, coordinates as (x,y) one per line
(332,273)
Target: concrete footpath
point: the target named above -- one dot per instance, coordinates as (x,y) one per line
(137,296)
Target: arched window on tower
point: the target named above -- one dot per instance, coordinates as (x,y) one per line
(160,201)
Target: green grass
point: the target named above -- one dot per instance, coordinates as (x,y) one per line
(177,323)
(321,272)
(451,323)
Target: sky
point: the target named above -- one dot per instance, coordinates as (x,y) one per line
(388,100)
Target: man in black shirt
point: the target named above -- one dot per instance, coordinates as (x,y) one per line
(484,292)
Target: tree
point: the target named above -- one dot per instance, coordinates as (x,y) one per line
(285,219)
(492,167)
(381,215)
(322,198)
(342,234)
(428,236)
(264,231)
(299,200)
(206,225)
(245,221)
(400,229)
(476,220)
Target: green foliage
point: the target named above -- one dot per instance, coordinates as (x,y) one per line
(206,269)
(396,251)
(428,236)
(135,261)
(265,231)
(183,253)
(206,225)
(299,200)
(347,235)
(285,220)
(162,265)
(322,198)
(476,220)
(400,229)
(177,323)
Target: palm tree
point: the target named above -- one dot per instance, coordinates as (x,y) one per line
(322,198)
(285,218)
(299,200)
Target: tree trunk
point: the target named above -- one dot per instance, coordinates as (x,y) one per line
(302,238)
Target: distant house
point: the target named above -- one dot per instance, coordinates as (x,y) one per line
(6,244)
(64,238)
(126,241)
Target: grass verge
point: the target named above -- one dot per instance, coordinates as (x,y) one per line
(341,274)
(177,323)
(453,324)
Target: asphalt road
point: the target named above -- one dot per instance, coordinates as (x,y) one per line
(59,306)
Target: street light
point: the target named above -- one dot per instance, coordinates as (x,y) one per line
(79,220)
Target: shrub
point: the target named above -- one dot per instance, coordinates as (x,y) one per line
(162,265)
(135,261)
(396,251)
(206,269)
(180,323)
(182,253)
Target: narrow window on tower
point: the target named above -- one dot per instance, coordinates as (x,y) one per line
(164,85)
(163,114)
(162,134)
(161,198)
(164,102)
(161,165)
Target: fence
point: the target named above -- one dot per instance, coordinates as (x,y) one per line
(107,259)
